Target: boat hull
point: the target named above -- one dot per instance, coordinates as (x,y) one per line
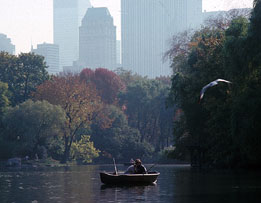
(134,179)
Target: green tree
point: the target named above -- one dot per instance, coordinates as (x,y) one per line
(120,140)
(202,63)
(145,106)
(254,38)
(30,125)
(225,123)
(22,73)
(4,101)
(127,76)
(83,151)
(243,50)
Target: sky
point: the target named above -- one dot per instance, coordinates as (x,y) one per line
(29,22)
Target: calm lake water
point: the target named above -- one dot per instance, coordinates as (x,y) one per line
(175,184)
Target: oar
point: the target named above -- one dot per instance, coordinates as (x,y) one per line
(115,167)
(151,167)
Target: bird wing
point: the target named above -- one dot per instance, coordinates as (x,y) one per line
(222,80)
(213,83)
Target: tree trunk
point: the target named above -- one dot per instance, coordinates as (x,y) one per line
(66,150)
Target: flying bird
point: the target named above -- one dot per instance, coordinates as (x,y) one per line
(213,83)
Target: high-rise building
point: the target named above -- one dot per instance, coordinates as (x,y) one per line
(6,45)
(67,16)
(118,53)
(50,52)
(97,45)
(147,27)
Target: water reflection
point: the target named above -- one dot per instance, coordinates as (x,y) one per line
(128,193)
(179,184)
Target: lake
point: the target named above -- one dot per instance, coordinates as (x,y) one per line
(176,183)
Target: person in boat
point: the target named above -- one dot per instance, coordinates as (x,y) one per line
(136,168)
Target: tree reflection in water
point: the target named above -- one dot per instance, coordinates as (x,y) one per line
(128,193)
(176,183)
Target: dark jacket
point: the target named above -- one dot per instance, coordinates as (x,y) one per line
(140,169)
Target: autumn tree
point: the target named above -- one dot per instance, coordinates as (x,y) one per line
(79,101)
(107,83)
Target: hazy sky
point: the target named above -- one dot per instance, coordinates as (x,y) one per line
(29,22)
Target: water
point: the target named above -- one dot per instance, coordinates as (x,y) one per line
(179,184)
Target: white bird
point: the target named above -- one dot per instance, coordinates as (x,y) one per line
(213,83)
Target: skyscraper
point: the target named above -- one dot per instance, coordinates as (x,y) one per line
(50,52)
(67,16)
(97,39)
(118,53)
(6,45)
(147,25)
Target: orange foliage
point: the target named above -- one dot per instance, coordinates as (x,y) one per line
(79,101)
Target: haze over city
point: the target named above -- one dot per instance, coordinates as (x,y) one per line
(29,22)
(130,100)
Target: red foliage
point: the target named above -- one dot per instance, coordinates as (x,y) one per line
(107,83)
(87,74)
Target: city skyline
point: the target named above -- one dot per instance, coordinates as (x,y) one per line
(50,52)
(29,22)
(97,45)
(6,45)
(67,18)
(143,45)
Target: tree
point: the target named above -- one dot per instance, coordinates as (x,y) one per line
(107,83)
(107,139)
(254,38)
(127,77)
(30,125)
(120,140)
(4,101)
(165,123)
(223,20)
(202,62)
(32,73)
(79,101)
(246,92)
(144,102)
(83,150)
(22,73)
(224,126)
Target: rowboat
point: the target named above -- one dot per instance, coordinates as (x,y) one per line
(125,179)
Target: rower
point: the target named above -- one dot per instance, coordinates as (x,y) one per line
(137,168)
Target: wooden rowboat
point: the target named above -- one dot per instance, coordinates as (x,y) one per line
(129,179)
